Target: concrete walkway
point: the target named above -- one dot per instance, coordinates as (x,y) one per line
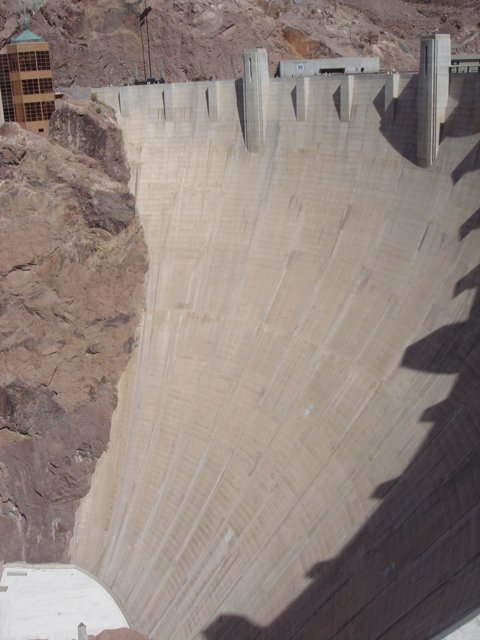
(51,602)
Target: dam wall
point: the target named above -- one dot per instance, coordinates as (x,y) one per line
(296,447)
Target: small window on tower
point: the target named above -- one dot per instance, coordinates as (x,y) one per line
(33,111)
(30,86)
(48,108)
(27,61)
(43,60)
(46,85)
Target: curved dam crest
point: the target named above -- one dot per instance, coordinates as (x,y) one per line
(295,451)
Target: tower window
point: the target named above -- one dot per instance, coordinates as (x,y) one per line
(46,85)
(30,86)
(33,111)
(43,60)
(48,108)
(27,61)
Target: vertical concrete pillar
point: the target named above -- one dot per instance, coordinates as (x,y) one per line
(82,632)
(255,97)
(123,101)
(302,85)
(432,95)
(392,85)
(346,97)
(168,102)
(212,101)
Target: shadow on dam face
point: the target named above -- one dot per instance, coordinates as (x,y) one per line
(413,570)
(399,129)
(295,453)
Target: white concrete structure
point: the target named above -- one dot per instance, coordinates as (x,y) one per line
(465,63)
(50,602)
(212,100)
(255,97)
(433,89)
(294,447)
(296,68)
(392,86)
(301,98)
(346,97)
(82,632)
(466,630)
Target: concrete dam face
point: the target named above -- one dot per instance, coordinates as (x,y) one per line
(295,452)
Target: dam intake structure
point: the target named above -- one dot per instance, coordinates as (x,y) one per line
(295,451)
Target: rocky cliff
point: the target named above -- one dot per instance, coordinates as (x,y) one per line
(72,268)
(98,42)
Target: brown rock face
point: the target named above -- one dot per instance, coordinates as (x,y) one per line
(305,46)
(72,265)
(98,42)
(91,129)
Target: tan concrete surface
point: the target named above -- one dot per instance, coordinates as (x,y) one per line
(295,449)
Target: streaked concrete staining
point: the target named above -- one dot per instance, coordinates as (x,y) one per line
(295,452)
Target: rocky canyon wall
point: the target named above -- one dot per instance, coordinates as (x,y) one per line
(98,42)
(72,267)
